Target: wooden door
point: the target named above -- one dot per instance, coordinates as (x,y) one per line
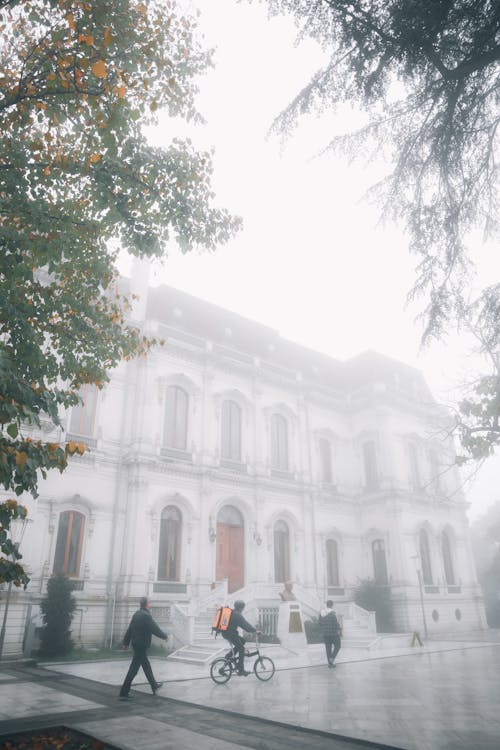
(230,555)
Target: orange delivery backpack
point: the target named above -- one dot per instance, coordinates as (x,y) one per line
(221,620)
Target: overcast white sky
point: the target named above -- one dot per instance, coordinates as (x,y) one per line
(312,260)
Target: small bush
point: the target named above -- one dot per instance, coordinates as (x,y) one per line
(58,608)
(376,597)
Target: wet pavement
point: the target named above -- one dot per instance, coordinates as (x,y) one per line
(430,699)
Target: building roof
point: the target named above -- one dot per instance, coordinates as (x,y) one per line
(184,312)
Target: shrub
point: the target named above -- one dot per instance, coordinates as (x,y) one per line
(376,597)
(58,608)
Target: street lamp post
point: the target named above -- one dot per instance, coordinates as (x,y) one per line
(421,590)
(17,528)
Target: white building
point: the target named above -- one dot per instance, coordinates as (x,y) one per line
(230,457)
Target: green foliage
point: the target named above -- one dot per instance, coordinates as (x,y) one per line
(376,598)
(426,75)
(79,80)
(10,569)
(57,607)
(490,582)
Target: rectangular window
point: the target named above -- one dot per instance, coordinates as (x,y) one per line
(279,442)
(176,414)
(325,454)
(231,431)
(414,467)
(82,421)
(370,465)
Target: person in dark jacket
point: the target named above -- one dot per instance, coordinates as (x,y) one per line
(139,632)
(331,632)
(231,634)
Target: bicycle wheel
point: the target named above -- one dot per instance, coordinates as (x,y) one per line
(221,670)
(264,668)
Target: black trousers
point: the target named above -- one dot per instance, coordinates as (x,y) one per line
(139,659)
(239,644)
(330,641)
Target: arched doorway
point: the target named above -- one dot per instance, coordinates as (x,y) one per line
(230,561)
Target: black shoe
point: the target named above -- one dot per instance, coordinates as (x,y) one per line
(124,697)
(242,673)
(157,686)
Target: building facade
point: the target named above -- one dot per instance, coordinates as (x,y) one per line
(231,460)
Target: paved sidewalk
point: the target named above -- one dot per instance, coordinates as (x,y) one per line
(426,700)
(32,698)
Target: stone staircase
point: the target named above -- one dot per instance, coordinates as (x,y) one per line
(205,647)
(359,632)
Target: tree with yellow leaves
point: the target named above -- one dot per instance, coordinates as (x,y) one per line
(78,81)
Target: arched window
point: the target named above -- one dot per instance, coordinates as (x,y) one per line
(414,467)
(82,420)
(325,457)
(425,557)
(379,562)
(69,543)
(449,572)
(370,465)
(281,552)
(332,563)
(170,544)
(176,416)
(231,431)
(279,442)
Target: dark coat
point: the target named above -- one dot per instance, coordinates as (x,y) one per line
(238,621)
(329,625)
(141,628)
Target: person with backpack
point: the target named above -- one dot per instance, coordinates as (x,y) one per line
(139,632)
(231,634)
(331,631)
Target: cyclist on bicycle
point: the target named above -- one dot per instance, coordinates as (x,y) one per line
(231,634)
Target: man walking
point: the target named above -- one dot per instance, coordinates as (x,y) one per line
(331,632)
(139,632)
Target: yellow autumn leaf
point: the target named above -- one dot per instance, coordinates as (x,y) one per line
(87,39)
(107,36)
(99,69)
(21,458)
(81,447)
(71,447)
(95,158)
(120,90)
(71,21)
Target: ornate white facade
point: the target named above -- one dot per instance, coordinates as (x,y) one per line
(230,454)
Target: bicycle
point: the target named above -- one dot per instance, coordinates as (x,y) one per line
(222,669)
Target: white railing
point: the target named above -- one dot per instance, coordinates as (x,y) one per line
(217,597)
(310,601)
(182,624)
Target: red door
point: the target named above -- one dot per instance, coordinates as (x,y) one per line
(230,555)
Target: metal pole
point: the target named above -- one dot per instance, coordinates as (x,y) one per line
(422,601)
(5,613)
